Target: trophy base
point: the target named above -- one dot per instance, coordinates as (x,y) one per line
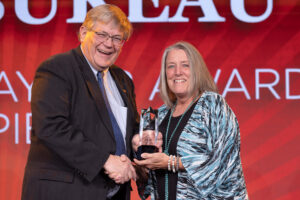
(145,149)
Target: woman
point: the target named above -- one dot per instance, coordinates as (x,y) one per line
(200,157)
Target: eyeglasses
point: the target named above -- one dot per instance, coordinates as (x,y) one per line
(103,36)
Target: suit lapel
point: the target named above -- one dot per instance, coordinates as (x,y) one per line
(95,92)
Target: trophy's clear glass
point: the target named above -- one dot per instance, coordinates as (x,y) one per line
(148,132)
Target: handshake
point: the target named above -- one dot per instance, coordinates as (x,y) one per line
(120,168)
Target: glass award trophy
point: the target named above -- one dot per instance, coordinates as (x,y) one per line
(148,132)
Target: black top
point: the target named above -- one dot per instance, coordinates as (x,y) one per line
(160,174)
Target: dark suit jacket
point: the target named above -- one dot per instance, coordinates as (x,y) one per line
(72,136)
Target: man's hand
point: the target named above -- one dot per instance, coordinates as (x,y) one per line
(136,142)
(119,168)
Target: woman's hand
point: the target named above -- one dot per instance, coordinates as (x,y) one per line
(153,161)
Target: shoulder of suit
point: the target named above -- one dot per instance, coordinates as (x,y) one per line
(62,63)
(117,71)
(62,58)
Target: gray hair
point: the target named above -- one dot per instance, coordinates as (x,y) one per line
(201,78)
(106,13)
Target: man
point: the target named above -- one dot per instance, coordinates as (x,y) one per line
(83,117)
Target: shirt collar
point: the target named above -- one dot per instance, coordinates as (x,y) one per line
(92,68)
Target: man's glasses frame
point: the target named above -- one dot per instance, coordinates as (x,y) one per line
(102,36)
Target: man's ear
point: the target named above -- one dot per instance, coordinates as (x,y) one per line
(82,33)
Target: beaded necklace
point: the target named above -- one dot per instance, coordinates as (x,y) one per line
(166,150)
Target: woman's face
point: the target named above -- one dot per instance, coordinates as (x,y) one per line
(178,72)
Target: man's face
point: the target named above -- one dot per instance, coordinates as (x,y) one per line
(101,52)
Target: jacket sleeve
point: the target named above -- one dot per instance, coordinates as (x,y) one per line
(52,122)
(213,153)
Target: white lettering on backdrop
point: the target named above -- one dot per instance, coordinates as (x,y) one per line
(135,15)
(1,10)
(17,121)
(258,84)
(22,12)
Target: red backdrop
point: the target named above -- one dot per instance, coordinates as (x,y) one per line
(256,66)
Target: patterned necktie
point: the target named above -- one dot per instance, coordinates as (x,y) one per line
(117,131)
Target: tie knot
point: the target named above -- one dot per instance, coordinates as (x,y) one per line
(100,74)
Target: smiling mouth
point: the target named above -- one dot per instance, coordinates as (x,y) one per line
(105,52)
(179,81)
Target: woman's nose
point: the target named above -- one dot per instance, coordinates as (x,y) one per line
(177,70)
